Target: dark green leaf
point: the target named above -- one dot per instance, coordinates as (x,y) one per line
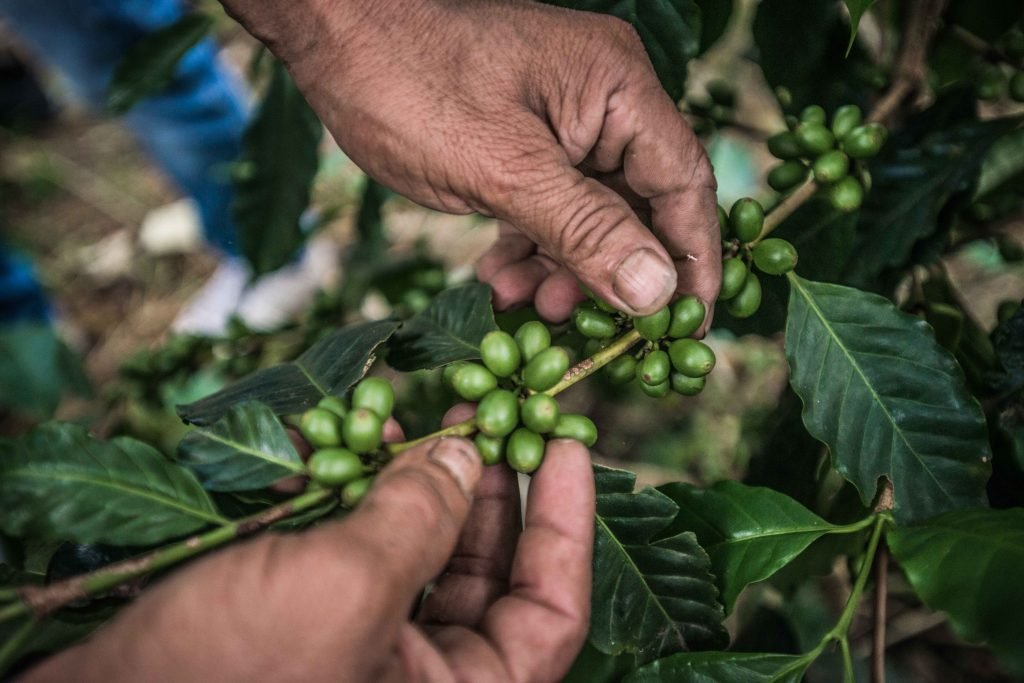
(734,667)
(448,330)
(857,9)
(1003,165)
(968,564)
(149,65)
(368,255)
(280,158)
(748,532)
(714,19)
(886,399)
(814,68)
(329,367)
(60,483)
(902,221)
(670,30)
(246,449)
(37,369)
(650,597)
(594,666)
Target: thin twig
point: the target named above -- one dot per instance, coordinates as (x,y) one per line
(881,601)
(910,73)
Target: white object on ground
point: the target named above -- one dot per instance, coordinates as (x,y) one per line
(208,312)
(173,228)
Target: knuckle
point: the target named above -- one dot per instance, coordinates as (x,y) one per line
(423,496)
(591,223)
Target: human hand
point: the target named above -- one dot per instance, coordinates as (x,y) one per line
(333,604)
(549,119)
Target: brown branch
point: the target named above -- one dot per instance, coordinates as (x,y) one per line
(910,72)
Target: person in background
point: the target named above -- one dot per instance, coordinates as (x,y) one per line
(192,129)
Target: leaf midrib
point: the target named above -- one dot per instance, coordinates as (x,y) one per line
(127,490)
(797,283)
(293,466)
(643,577)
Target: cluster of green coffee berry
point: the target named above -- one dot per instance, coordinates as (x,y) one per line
(344,437)
(832,155)
(514,415)
(667,360)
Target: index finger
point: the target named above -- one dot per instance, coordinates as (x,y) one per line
(541,624)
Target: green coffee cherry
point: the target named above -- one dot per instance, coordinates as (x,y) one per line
(723,222)
(498,413)
(654,326)
(334,404)
(831,167)
(847,194)
(846,118)
(775,256)
(592,346)
(746,219)
(784,96)
(721,92)
(685,385)
(655,390)
(540,413)
(500,353)
(1017,87)
(813,114)
(746,303)
(524,450)
(787,175)
(375,394)
(784,146)
(472,382)
(814,138)
(321,428)
(578,427)
(491,449)
(363,430)
(691,357)
(621,370)
(865,141)
(734,274)
(546,369)
(687,316)
(594,324)
(991,83)
(354,491)
(655,368)
(532,337)
(335,466)
(448,375)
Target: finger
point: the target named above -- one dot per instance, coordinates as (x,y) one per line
(516,283)
(412,517)
(589,229)
(478,571)
(460,412)
(557,296)
(393,431)
(540,625)
(664,162)
(511,246)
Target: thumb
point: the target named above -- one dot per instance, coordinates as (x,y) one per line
(413,515)
(593,232)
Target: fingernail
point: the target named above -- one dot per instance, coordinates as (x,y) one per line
(644,278)
(461,461)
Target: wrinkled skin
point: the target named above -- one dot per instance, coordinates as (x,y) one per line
(551,120)
(333,604)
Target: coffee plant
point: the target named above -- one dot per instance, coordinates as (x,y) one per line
(895,455)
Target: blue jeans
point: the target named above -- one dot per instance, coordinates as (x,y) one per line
(192,128)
